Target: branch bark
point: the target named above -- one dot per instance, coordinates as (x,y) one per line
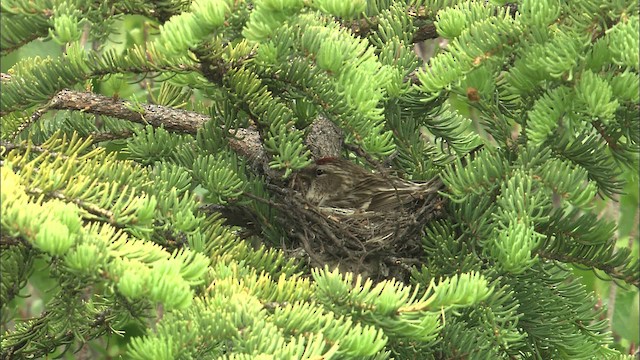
(324,138)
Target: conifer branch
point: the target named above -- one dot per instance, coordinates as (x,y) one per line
(7,241)
(324,139)
(612,271)
(246,141)
(119,225)
(155,115)
(88,207)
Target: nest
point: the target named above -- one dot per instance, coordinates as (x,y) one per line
(375,244)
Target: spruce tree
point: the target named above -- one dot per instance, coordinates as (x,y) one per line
(149,149)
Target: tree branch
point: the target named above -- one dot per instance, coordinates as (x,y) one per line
(324,139)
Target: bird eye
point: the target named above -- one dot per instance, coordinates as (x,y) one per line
(319,172)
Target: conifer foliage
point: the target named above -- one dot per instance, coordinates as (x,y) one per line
(146,145)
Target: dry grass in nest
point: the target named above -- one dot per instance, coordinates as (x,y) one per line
(378,245)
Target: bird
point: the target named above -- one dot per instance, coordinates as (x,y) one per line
(366,222)
(339,183)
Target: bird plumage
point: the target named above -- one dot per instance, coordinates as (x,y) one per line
(339,183)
